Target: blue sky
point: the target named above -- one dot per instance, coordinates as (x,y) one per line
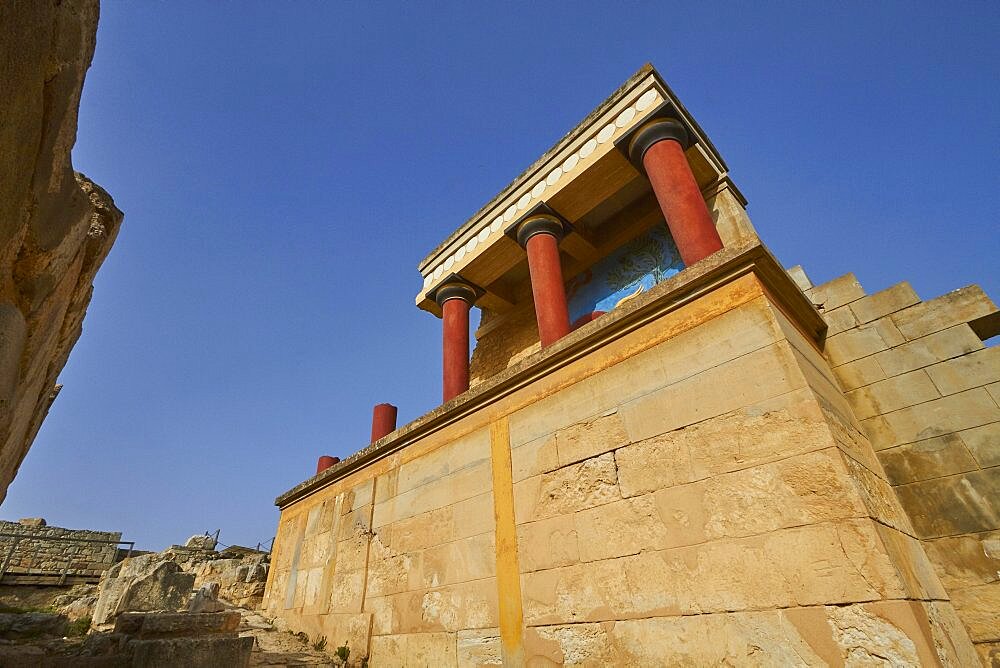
(284,166)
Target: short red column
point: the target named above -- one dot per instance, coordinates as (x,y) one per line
(660,148)
(540,238)
(325,462)
(383,421)
(455,299)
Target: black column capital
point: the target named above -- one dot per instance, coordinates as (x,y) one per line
(540,225)
(456,287)
(652,132)
(540,219)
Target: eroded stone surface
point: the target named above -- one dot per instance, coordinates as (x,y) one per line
(56,226)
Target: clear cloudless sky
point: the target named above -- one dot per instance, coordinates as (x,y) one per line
(284,166)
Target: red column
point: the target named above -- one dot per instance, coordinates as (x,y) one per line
(547,287)
(325,462)
(455,343)
(676,190)
(383,421)
(540,238)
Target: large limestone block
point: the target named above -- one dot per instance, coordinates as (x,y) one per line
(979,608)
(966,372)
(752,378)
(888,633)
(984,442)
(467,452)
(479,648)
(883,303)
(804,489)
(774,429)
(839,320)
(955,412)
(452,608)
(892,394)
(931,458)
(959,306)
(970,500)
(547,543)
(952,342)
(836,293)
(859,373)
(868,339)
(462,484)
(466,518)
(730,336)
(575,487)
(422,649)
(832,563)
(964,561)
(141,584)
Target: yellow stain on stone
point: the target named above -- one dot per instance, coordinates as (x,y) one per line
(508,573)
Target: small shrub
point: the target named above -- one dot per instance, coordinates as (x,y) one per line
(320,644)
(79,627)
(343,652)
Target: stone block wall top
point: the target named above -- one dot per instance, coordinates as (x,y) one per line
(919,376)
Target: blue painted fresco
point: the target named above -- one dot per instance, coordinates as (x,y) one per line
(629,271)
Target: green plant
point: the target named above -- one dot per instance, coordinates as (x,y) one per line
(343,652)
(320,644)
(79,627)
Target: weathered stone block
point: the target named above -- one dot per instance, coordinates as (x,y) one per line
(590,438)
(964,561)
(966,372)
(892,394)
(17,626)
(167,624)
(836,293)
(938,346)
(478,648)
(458,486)
(883,303)
(798,275)
(854,344)
(931,458)
(547,543)
(969,498)
(979,608)
(955,412)
(956,307)
(839,320)
(193,652)
(984,442)
(576,487)
(620,528)
(753,378)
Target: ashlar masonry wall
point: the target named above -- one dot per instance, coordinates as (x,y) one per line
(927,392)
(689,486)
(39,551)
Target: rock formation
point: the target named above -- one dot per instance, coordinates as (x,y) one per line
(56,226)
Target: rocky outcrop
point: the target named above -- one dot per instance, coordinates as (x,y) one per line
(56,226)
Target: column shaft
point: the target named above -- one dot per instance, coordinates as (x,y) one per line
(455,314)
(383,421)
(547,287)
(680,199)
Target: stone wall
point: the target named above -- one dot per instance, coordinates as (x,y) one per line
(927,392)
(56,226)
(39,554)
(691,487)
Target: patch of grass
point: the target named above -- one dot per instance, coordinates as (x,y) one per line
(320,644)
(79,628)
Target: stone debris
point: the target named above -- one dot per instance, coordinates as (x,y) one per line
(140,584)
(27,625)
(206,599)
(200,542)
